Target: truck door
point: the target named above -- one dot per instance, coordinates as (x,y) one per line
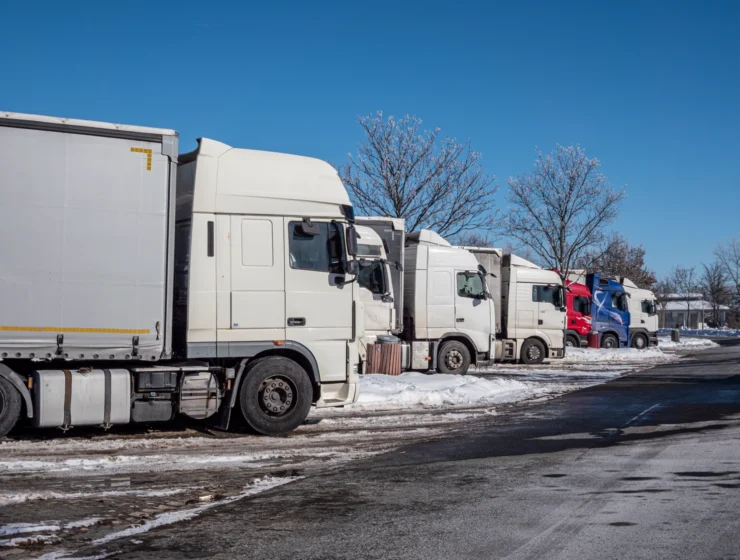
(253,306)
(472,309)
(549,304)
(376,294)
(318,309)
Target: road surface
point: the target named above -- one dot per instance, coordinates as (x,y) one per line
(646,466)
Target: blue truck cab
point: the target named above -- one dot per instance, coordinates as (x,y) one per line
(610,316)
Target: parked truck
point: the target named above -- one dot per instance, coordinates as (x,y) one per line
(643,309)
(578,304)
(448,308)
(610,316)
(137,284)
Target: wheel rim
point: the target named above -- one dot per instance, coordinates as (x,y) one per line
(277,396)
(609,343)
(454,360)
(640,342)
(533,353)
(569,343)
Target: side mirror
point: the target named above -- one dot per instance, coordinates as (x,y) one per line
(564,309)
(308,229)
(352,240)
(399,266)
(387,298)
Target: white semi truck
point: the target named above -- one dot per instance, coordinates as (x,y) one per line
(137,284)
(455,306)
(643,308)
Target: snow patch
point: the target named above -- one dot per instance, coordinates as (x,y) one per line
(632,355)
(665,343)
(22,497)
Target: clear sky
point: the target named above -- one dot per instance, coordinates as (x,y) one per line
(650,88)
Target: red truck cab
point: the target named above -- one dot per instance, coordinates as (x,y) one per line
(578,316)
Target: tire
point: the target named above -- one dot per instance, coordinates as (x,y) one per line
(275,395)
(533,352)
(609,341)
(453,357)
(571,341)
(639,341)
(10,406)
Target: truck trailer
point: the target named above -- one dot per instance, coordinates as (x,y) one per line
(138,284)
(448,309)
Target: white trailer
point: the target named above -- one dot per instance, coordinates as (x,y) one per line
(454,311)
(643,308)
(137,284)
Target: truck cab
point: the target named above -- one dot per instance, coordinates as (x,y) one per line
(643,315)
(610,315)
(578,304)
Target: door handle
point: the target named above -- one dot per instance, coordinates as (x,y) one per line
(296,321)
(643,321)
(540,322)
(462,320)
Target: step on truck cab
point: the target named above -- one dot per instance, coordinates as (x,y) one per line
(578,320)
(139,284)
(643,308)
(610,316)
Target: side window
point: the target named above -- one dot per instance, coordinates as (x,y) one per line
(582,305)
(182,243)
(619,301)
(372,277)
(648,306)
(470,285)
(546,294)
(322,252)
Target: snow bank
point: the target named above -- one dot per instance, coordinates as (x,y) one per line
(705,332)
(602,355)
(665,343)
(413,389)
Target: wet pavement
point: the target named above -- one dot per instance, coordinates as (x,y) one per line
(644,466)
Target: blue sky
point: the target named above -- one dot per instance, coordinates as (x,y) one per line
(652,89)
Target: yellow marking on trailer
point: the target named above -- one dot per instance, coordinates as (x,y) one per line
(7,328)
(148,153)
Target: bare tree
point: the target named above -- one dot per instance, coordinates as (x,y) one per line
(728,255)
(561,208)
(686,285)
(663,289)
(402,172)
(617,258)
(716,291)
(473,239)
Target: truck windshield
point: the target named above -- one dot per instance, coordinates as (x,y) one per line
(372,277)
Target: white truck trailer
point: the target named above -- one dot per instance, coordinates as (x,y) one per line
(643,308)
(448,308)
(137,284)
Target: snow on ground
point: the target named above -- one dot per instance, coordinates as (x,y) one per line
(602,355)
(705,332)
(665,343)
(413,389)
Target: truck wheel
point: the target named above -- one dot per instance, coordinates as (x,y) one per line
(572,342)
(454,357)
(533,351)
(639,341)
(10,406)
(275,396)
(609,341)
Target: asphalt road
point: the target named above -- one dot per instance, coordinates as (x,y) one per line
(646,466)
